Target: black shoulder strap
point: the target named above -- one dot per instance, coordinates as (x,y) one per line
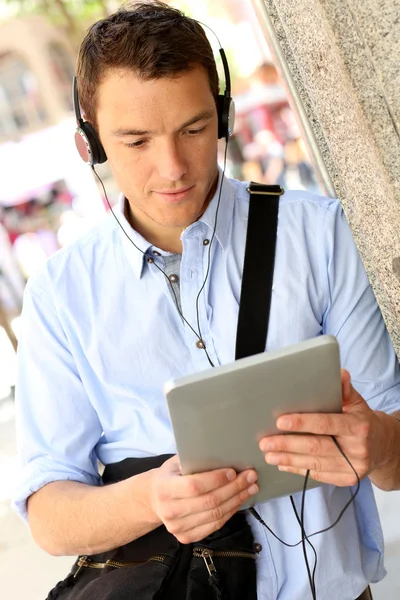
(258,269)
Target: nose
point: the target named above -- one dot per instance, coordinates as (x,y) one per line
(172,164)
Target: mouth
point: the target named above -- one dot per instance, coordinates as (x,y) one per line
(174,196)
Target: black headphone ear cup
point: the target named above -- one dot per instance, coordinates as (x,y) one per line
(226,116)
(98,153)
(88,145)
(221,124)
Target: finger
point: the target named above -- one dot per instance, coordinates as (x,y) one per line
(319,423)
(350,397)
(217,516)
(314,445)
(338,479)
(196,527)
(239,490)
(334,464)
(200,532)
(172,466)
(346,381)
(191,486)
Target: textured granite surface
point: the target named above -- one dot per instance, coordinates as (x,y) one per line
(368,38)
(379,23)
(343,56)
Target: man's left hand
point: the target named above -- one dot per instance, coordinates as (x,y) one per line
(361,433)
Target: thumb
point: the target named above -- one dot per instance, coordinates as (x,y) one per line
(351,399)
(172,466)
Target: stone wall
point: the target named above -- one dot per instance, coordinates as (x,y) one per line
(340,60)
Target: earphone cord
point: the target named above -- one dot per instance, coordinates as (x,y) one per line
(197,334)
(209,254)
(300,520)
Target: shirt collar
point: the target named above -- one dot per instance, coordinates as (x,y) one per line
(132,238)
(138,255)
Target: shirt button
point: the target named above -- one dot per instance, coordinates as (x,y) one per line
(156,253)
(173,278)
(150,260)
(200,344)
(206,242)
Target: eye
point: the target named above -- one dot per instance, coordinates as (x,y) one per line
(138,144)
(195,131)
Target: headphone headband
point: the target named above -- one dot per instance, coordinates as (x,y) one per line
(227,74)
(77,107)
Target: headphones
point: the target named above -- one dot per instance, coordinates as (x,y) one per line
(91,149)
(92,153)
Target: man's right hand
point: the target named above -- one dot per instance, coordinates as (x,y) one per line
(194,506)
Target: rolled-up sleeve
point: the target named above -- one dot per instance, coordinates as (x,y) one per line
(354,317)
(57,427)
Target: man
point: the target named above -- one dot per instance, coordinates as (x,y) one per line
(104,328)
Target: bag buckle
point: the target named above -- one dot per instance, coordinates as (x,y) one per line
(261,189)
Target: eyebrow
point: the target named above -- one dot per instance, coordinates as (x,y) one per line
(204,114)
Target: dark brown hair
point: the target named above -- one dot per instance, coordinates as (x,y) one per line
(150,38)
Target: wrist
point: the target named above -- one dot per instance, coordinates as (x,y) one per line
(386,472)
(134,496)
(148,496)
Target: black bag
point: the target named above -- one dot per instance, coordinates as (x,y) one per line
(222,566)
(158,566)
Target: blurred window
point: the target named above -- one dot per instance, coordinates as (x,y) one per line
(63,70)
(21,108)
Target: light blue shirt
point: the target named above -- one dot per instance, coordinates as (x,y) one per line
(101,334)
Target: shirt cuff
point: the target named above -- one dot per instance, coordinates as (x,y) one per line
(39,473)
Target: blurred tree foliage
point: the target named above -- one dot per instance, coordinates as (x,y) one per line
(74,16)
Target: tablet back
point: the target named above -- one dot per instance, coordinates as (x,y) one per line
(220,415)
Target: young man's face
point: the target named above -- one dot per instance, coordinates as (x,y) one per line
(160,137)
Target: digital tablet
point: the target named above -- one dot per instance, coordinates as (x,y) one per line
(220,415)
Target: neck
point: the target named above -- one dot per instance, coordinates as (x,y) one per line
(165,238)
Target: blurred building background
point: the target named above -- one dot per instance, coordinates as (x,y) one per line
(48,197)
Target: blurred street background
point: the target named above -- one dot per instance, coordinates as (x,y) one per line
(49,197)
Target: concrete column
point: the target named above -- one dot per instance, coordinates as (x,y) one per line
(340,60)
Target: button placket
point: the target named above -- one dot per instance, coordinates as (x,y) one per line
(191,280)
(205,343)
(203,304)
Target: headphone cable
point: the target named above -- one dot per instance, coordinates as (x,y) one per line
(306,537)
(197,334)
